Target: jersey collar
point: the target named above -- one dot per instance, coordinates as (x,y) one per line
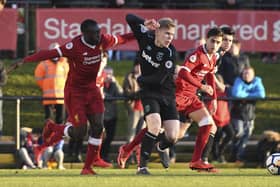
(87,44)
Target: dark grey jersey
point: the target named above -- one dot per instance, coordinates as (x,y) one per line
(157,63)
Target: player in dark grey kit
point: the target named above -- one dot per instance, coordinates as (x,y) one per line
(157,60)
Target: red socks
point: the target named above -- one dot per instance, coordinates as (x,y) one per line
(136,141)
(92,154)
(201,141)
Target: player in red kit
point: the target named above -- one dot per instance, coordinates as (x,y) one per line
(83,99)
(197,67)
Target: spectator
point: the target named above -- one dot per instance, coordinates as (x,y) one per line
(197,42)
(233,63)
(268,58)
(28,139)
(222,121)
(56,153)
(111,89)
(134,106)
(248,86)
(3,81)
(51,76)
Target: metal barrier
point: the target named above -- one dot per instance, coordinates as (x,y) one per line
(18,100)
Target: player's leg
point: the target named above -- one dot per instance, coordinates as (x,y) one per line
(95,141)
(168,139)
(184,126)
(126,150)
(153,122)
(208,147)
(205,122)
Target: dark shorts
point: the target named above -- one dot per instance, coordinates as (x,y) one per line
(165,106)
(80,104)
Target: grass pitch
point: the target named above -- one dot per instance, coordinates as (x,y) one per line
(174,177)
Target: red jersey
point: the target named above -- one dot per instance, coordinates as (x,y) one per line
(84,59)
(200,65)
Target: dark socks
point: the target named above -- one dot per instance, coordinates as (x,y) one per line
(146,148)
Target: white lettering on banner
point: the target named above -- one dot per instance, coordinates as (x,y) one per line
(59,28)
(246,31)
(276,31)
(56,29)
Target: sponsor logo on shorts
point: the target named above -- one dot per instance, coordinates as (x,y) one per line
(147,108)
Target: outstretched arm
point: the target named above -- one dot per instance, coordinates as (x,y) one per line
(36,57)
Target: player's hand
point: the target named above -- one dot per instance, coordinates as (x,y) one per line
(207,89)
(140,81)
(15,66)
(213,107)
(151,24)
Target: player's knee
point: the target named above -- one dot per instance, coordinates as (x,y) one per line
(96,129)
(172,139)
(207,120)
(79,131)
(213,129)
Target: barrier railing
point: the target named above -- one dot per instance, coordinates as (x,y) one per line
(19,99)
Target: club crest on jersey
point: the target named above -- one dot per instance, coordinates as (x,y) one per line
(192,58)
(159,56)
(69,45)
(168,64)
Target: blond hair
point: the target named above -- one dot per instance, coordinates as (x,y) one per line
(166,23)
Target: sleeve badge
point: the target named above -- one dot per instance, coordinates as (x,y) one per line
(192,58)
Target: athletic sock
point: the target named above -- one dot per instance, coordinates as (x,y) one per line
(208,147)
(90,155)
(146,148)
(163,141)
(136,141)
(92,151)
(201,140)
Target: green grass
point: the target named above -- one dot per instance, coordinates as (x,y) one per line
(21,83)
(116,177)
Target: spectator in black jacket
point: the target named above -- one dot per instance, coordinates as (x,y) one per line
(233,63)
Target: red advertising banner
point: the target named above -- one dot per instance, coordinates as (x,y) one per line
(8,29)
(257,30)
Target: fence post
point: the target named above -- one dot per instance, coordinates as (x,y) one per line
(18,125)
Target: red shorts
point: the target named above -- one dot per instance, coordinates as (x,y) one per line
(188,105)
(80,103)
